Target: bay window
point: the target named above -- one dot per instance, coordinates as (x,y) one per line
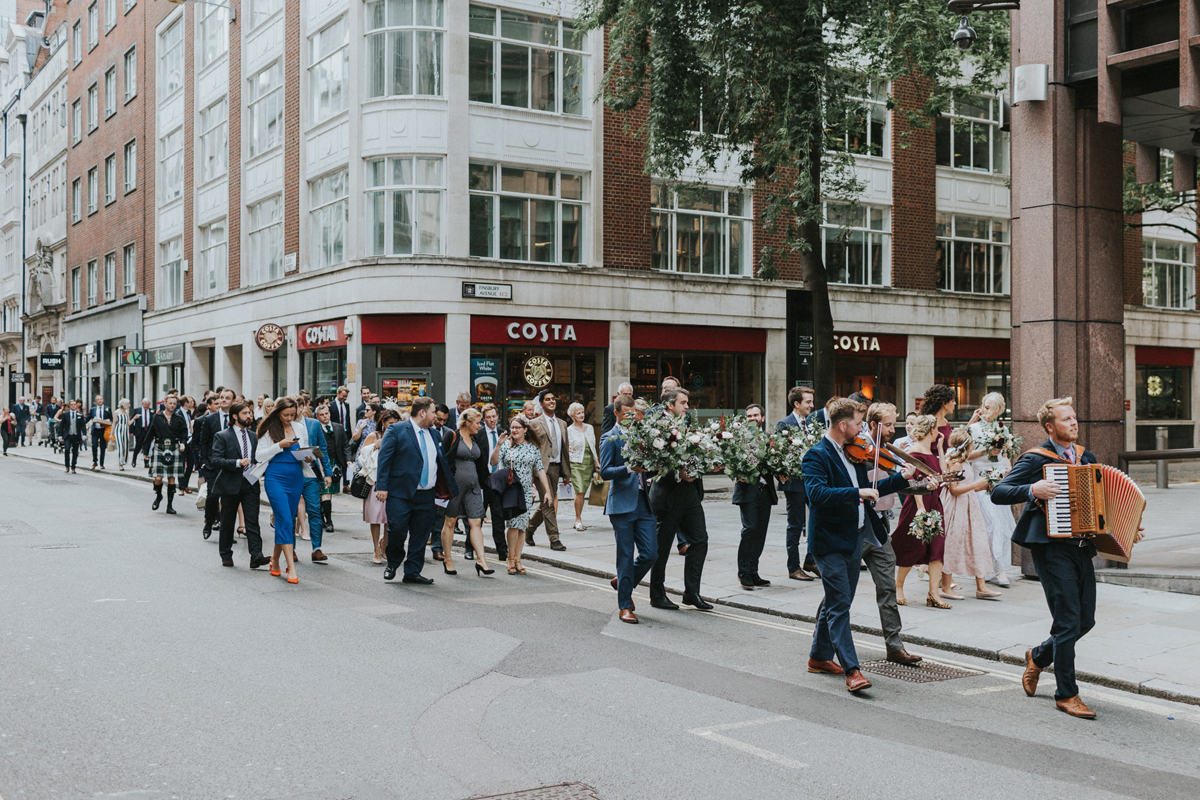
(519,214)
(972,254)
(856,244)
(405,197)
(525,61)
(330,58)
(701,230)
(404,47)
(1168,273)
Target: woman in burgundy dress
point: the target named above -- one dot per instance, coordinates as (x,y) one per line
(939,401)
(911,551)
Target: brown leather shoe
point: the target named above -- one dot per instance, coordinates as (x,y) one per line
(855,682)
(626,615)
(318,556)
(800,575)
(558,546)
(825,667)
(903,657)
(1032,672)
(1075,707)
(632,605)
(226,562)
(529,542)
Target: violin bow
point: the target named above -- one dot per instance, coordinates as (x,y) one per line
(875,480)
(907,459)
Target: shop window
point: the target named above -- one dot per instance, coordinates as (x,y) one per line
(972,254)
(404,357)
(700,230)
(520,214)
(1164,393)
(865,131)
(1168,274)
(405,198)
(880,378)
(971,379)
(404,48)
(969,137)
(856,244)
(322,371)
(717,383)
(541,63)
(514,375)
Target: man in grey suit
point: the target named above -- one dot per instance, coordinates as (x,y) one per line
(552,432)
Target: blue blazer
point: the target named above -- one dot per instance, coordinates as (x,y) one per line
(316,438)
(833,501)
(624,489)
(1031,527)
(791,487)
(401,462)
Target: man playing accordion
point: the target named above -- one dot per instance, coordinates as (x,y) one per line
(1064,565)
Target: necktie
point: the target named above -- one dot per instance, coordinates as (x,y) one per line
(1070,455)
(427,465)
(224,421)
(245,450)
(492,467)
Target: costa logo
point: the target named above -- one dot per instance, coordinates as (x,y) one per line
(320,334)
(856,344)
(545,332)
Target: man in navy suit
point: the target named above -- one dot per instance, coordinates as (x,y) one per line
(212,423)
(842,517)
(628,508)
(411,467)
(800,398)
(754,500)
(99,417)
(1064,565)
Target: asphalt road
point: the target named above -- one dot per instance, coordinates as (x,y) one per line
(133,665)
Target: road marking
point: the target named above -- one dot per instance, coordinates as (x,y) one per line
(986,690)
(711,734)
(110,600)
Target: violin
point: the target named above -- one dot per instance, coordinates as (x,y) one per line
(861,451)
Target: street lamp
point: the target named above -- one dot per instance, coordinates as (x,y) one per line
(965,36)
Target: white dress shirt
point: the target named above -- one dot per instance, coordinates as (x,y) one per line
(493,437)
(853,475)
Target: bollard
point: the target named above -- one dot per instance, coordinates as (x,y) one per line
(1161,477)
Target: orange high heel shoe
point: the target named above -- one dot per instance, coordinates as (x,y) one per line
(275,571)
(294,580)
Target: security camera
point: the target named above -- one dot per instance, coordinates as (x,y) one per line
(965,36)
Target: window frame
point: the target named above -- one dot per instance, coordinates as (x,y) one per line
(259,228)
(498,194)
(389,33)
(93,190)
(167,163)
(256,15)
(110,179)
(93,22)
(673,211)
(319,61)
(92,285)
(208,130)
(946,248)
(76,288)
(76,200)
(255,99)
(324,208)
(169,262)
(110,15)
(869,240)
(129,269)
(110,92)
(168,51)
(207,14)
(129,61)
(93,107)
(110,276)
(388,190)
(77,43)
(77,120)
(1179,274)
(219,272)
(130,160)
(948,121)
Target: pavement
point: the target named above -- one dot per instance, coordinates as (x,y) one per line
(1146,641)
(136,666)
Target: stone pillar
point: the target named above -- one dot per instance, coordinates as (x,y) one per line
(618,358)
(918,372)
(458,359)
(354,357)
(458,145)
(293,362)
(1131,396)
(775,381)
(1068,337)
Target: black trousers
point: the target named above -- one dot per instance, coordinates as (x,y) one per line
(98,446)
(687,518)
(212,503)
(248,499)
(71,445)
(189,464)
(756,516)
(141,444)
(1069,582)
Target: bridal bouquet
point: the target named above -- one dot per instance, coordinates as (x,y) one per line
(927,525)
(993,436)
(786,448)
(663,443)
(993,475)
(743,449)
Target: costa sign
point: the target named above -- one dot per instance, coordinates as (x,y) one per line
(856,344)
(545,332)
(270,337)
(866,344)
(548,332)
(321,335)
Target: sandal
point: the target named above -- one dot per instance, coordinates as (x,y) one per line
(933,602)
(512,568)
(579,526)
(900,601)
(520,568)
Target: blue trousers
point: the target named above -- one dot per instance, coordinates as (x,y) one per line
(1069,581)
(839,575)
(283,492)
(410,519)
(795,529)
(312,507)
(634,529)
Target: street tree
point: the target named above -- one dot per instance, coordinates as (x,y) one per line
(777,87)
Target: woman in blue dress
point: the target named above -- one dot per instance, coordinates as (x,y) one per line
(282,474)
(522,456)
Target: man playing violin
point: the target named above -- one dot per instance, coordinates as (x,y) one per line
(842,517)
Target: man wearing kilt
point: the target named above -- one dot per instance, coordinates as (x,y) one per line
(168,440)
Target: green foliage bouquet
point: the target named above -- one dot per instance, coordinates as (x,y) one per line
(663,443)
(927,525)
(786,448)
(743,449)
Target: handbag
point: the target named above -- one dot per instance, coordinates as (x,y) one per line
(201,495)
(360,487)
(598,494)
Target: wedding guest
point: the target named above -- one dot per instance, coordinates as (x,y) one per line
(910,550)
(584,459)
(610,416)
(338,441)
(489,442)
(552,437)
(365,426)
(121,432)
(905,441)
(140,427)
(628,509)
(374,509)
(233,456)
(8,428)
(940,401)
(187,409)
(521,454)
(968,551)
(462,449)
(70,430)
(99,420)
(167,437)
(999,519)
(800,399)
(754,501)
(282,475)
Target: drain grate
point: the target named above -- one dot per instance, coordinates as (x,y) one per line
(13,527)
(563,791)
(925,672)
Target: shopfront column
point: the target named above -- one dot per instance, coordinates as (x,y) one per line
(775,397)
(195,369)
(458,359)
(354,355)
(1131,397)
(458,148)
(258,372)
(228,367)
(618,355)
(293,362)
(918,369)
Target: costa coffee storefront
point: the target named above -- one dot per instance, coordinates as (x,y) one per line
(722,368)
(972,367)
(322,350)
(515,358)
(872,364)
(404,356)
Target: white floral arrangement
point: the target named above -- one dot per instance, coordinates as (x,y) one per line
(786,447)
(993,475)
(994,436)
(743,449)
(927,525)
(663,443)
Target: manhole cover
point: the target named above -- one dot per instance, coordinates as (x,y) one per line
(925,672)
(563,791)
(56,547)
(14,527)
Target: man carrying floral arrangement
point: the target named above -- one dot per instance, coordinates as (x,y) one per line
(744,456)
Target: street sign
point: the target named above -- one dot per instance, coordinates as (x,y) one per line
(52,361)
(167,354)
(135,358)
(487,291)
(270,337)
(801,361)
(20,377)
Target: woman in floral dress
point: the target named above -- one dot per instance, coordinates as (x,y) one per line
(519,452)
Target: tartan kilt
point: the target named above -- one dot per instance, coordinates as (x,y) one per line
(160,470)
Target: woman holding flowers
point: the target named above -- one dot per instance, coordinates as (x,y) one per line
(995,445)
(968,551)
(919,538)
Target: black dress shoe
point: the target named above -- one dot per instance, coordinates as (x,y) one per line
(259,561)
(559,546)
(158,502)
(329,526)
(759,581)
(170,510)
(664,604)
(226,562)
(697,602)
(421,579)
(469,555)
(207,529)
(389,573)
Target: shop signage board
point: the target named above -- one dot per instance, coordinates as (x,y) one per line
(20,377)
(867,344)
(52,361)
(168,354)
(538,331)
(270,337)
(321,335)
(485,378)
(538,371)
(135,357)
(487,291)
(801,364)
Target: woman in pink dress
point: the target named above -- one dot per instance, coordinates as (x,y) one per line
(374,510)
(910,550)
(968,547)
